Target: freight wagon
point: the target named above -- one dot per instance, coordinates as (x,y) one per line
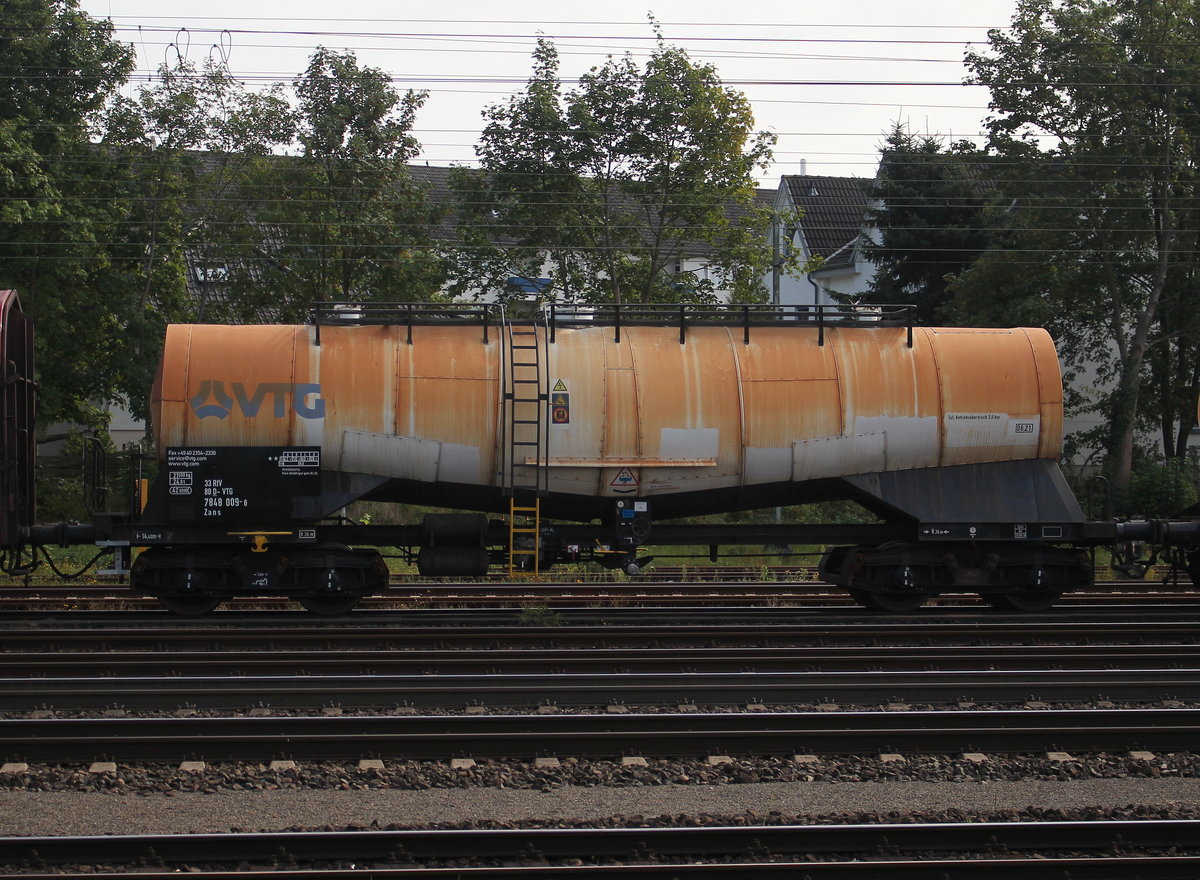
(586,434)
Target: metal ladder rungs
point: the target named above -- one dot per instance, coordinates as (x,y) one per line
(524,519)
(525,394)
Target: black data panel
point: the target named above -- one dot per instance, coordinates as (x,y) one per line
(238,485)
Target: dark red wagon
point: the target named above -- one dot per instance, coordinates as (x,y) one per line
(17,412)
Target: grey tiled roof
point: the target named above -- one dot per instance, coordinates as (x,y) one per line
(833,208)
(435,180)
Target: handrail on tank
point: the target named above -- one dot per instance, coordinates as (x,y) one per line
(408,314)
(618,315)
(745,315)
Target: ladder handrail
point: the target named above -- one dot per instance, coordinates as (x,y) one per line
(514,425)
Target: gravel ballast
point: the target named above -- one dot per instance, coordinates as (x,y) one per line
(32,813)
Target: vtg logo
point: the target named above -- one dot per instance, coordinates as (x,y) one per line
(213,400)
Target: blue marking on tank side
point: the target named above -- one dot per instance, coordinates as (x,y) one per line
(212,400)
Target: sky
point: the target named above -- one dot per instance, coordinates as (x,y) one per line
(829,79)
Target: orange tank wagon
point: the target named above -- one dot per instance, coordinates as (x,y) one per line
(588,433)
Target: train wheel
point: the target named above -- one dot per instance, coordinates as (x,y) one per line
(328,606)
(190,606)
(862,597)
(1027,602)
(894,602)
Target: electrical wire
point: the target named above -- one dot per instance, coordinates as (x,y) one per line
(69,575)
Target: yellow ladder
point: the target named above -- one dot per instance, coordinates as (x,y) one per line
(523,520)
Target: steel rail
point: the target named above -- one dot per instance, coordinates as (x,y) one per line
(335,660)
(604,736)
(984,868)
(732,585)
(748,599)
(966,849)
(451,691)
(666,613)
(744,586)
(661,628)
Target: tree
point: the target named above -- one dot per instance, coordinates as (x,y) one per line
(928,205)
(343,220)
(205,140)
(604,190)
(62,199)
(529,206)
(1101,218)
(179,157)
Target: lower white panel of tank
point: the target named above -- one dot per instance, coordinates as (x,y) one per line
(460,464)
(390,455)
(689,442)
(838,456)
(409,458)
(664,481)
(912,441)
(880,443)
(765,464)
(992,429)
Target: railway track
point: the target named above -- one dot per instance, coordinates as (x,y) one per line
(744,587)
(587,628)
(802,659)
(419,661)
(515,690)
(1143,848)
(415,673)
(598,736)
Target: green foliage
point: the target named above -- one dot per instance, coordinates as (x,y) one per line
(818,512)
(60,489)
(930,218)
(102,196)
(1163,487)
(1096,231)
(343,221)
(63,200)
(206,138)
(605,189)
(539,615)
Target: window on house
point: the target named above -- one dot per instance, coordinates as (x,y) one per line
(211,273)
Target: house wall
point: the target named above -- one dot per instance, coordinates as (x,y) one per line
(848,275)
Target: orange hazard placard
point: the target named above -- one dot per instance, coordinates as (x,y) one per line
(560,408)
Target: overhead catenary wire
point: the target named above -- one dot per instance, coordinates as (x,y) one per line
(465,36)
(786,34)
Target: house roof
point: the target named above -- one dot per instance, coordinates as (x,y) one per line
(435,181)
(833,208)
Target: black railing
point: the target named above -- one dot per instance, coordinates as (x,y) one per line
(618,315)
(685,315)
(405,314)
